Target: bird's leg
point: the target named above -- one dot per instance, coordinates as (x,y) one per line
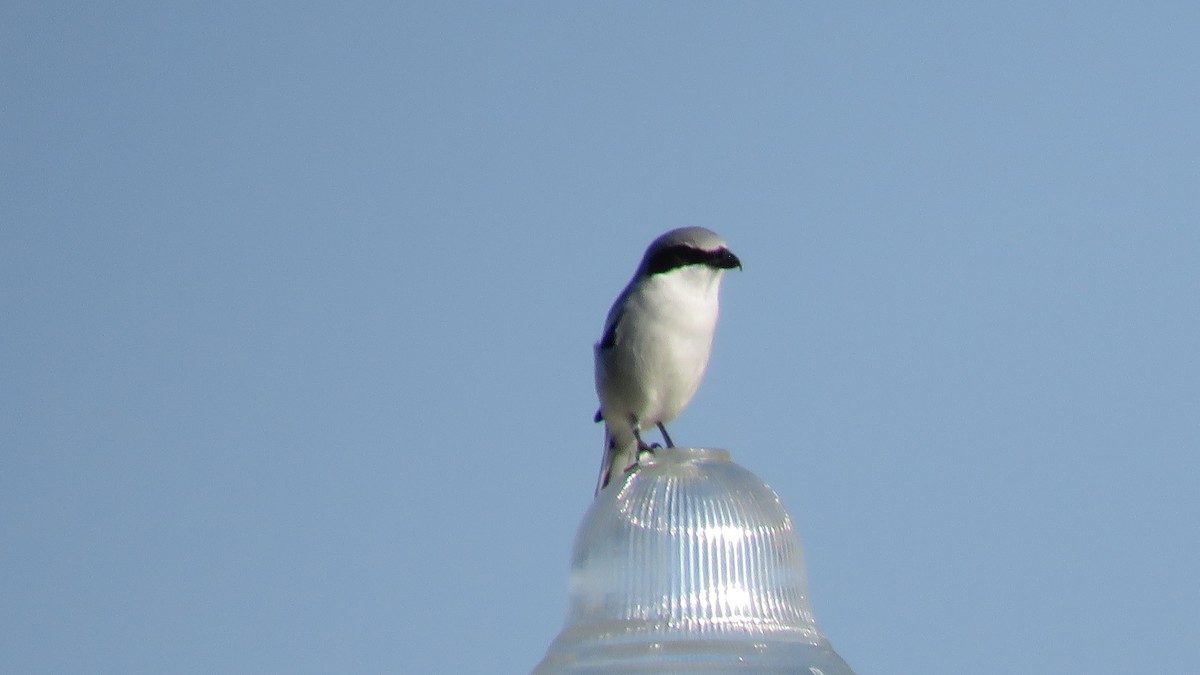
(666,436)
(642,445)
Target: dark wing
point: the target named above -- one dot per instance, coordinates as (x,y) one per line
(609,339)
(607,342)
(613,322)
(610,335)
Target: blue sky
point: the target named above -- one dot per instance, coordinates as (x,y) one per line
(299,303)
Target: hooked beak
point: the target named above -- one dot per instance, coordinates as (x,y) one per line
(726,260)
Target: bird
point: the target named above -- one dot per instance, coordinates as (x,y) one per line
(656,342)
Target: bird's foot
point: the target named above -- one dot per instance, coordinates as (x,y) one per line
(642,446)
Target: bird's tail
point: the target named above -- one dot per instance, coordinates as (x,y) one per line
(619,455)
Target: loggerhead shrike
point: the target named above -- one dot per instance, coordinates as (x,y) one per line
(656,342)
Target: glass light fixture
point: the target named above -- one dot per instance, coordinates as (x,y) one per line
(690,563)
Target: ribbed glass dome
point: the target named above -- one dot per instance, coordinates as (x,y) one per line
(691,563)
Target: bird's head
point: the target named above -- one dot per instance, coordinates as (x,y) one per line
(688,246)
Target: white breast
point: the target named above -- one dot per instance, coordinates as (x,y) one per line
(665,339)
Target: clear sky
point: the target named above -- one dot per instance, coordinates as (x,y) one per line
(298,303)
